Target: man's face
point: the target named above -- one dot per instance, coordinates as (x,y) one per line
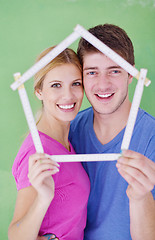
(105,83)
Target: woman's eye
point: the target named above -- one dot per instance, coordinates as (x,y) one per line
(77,84)
(56,85)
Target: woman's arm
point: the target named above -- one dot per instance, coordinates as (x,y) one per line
(33,202)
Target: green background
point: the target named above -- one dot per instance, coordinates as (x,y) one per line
(29,26)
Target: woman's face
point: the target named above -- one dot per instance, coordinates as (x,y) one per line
(62,92)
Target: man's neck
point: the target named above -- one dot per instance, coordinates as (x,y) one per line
(107,126)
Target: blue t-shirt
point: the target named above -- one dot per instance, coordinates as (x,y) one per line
(108,205)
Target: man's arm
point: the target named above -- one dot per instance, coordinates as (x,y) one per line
(139,172)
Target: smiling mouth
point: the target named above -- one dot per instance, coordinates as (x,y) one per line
(105,96)
(66,107)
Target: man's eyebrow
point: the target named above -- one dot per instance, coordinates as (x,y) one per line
(95,68)
(90,68)
(115,66)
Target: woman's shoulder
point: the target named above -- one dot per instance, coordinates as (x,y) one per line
(27,148)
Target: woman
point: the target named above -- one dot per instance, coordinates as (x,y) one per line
(54,205)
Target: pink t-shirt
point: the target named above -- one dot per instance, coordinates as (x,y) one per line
(66,215)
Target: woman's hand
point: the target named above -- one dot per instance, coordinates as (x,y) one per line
(41,167)
(48,237)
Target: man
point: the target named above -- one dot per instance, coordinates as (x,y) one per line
(121,204)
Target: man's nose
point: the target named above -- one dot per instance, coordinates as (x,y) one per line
(103,79)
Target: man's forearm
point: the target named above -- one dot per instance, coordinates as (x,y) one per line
(142,218)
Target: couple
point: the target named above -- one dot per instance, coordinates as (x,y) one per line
(109,200)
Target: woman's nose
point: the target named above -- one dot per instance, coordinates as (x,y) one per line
(67,93)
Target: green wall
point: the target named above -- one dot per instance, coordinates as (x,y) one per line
(29,26)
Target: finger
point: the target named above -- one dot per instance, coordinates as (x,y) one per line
(50,158)
(135,155)
(135,177)
(38,168)
(34,158)
(37,171)
(50,237)
(136,190)
(130,180)
(45,163)
(40,157)
(140,162)
(39,180)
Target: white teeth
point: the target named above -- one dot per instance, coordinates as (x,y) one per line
(66,106)
(104,95)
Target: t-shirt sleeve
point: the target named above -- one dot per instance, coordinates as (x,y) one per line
(20,168)
(151,155)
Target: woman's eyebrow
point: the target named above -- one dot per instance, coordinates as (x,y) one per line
(55,80)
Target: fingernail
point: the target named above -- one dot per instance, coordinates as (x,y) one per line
(56,169)
(120,159)
(51,237)
(122,151)
(57,164)
(118,165)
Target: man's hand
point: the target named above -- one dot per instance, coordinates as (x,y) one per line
(138,171)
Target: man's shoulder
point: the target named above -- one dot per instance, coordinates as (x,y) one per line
(145,128)
(147,119)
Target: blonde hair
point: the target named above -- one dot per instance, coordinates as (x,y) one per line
(67,56)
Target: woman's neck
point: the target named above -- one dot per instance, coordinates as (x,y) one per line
(55,129)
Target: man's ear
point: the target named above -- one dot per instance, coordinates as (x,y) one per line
(130,78)
(38,94)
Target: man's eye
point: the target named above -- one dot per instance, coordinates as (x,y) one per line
(91,73)
(115,71)
(56,85)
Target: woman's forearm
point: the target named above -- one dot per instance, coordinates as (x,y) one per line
(28,227)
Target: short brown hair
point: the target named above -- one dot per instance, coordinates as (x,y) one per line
(111,35)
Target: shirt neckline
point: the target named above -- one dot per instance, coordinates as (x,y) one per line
(106,147)
(58,143)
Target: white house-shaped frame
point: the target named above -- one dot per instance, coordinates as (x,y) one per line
(79,31)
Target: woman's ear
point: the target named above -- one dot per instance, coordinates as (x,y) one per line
(38,94)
